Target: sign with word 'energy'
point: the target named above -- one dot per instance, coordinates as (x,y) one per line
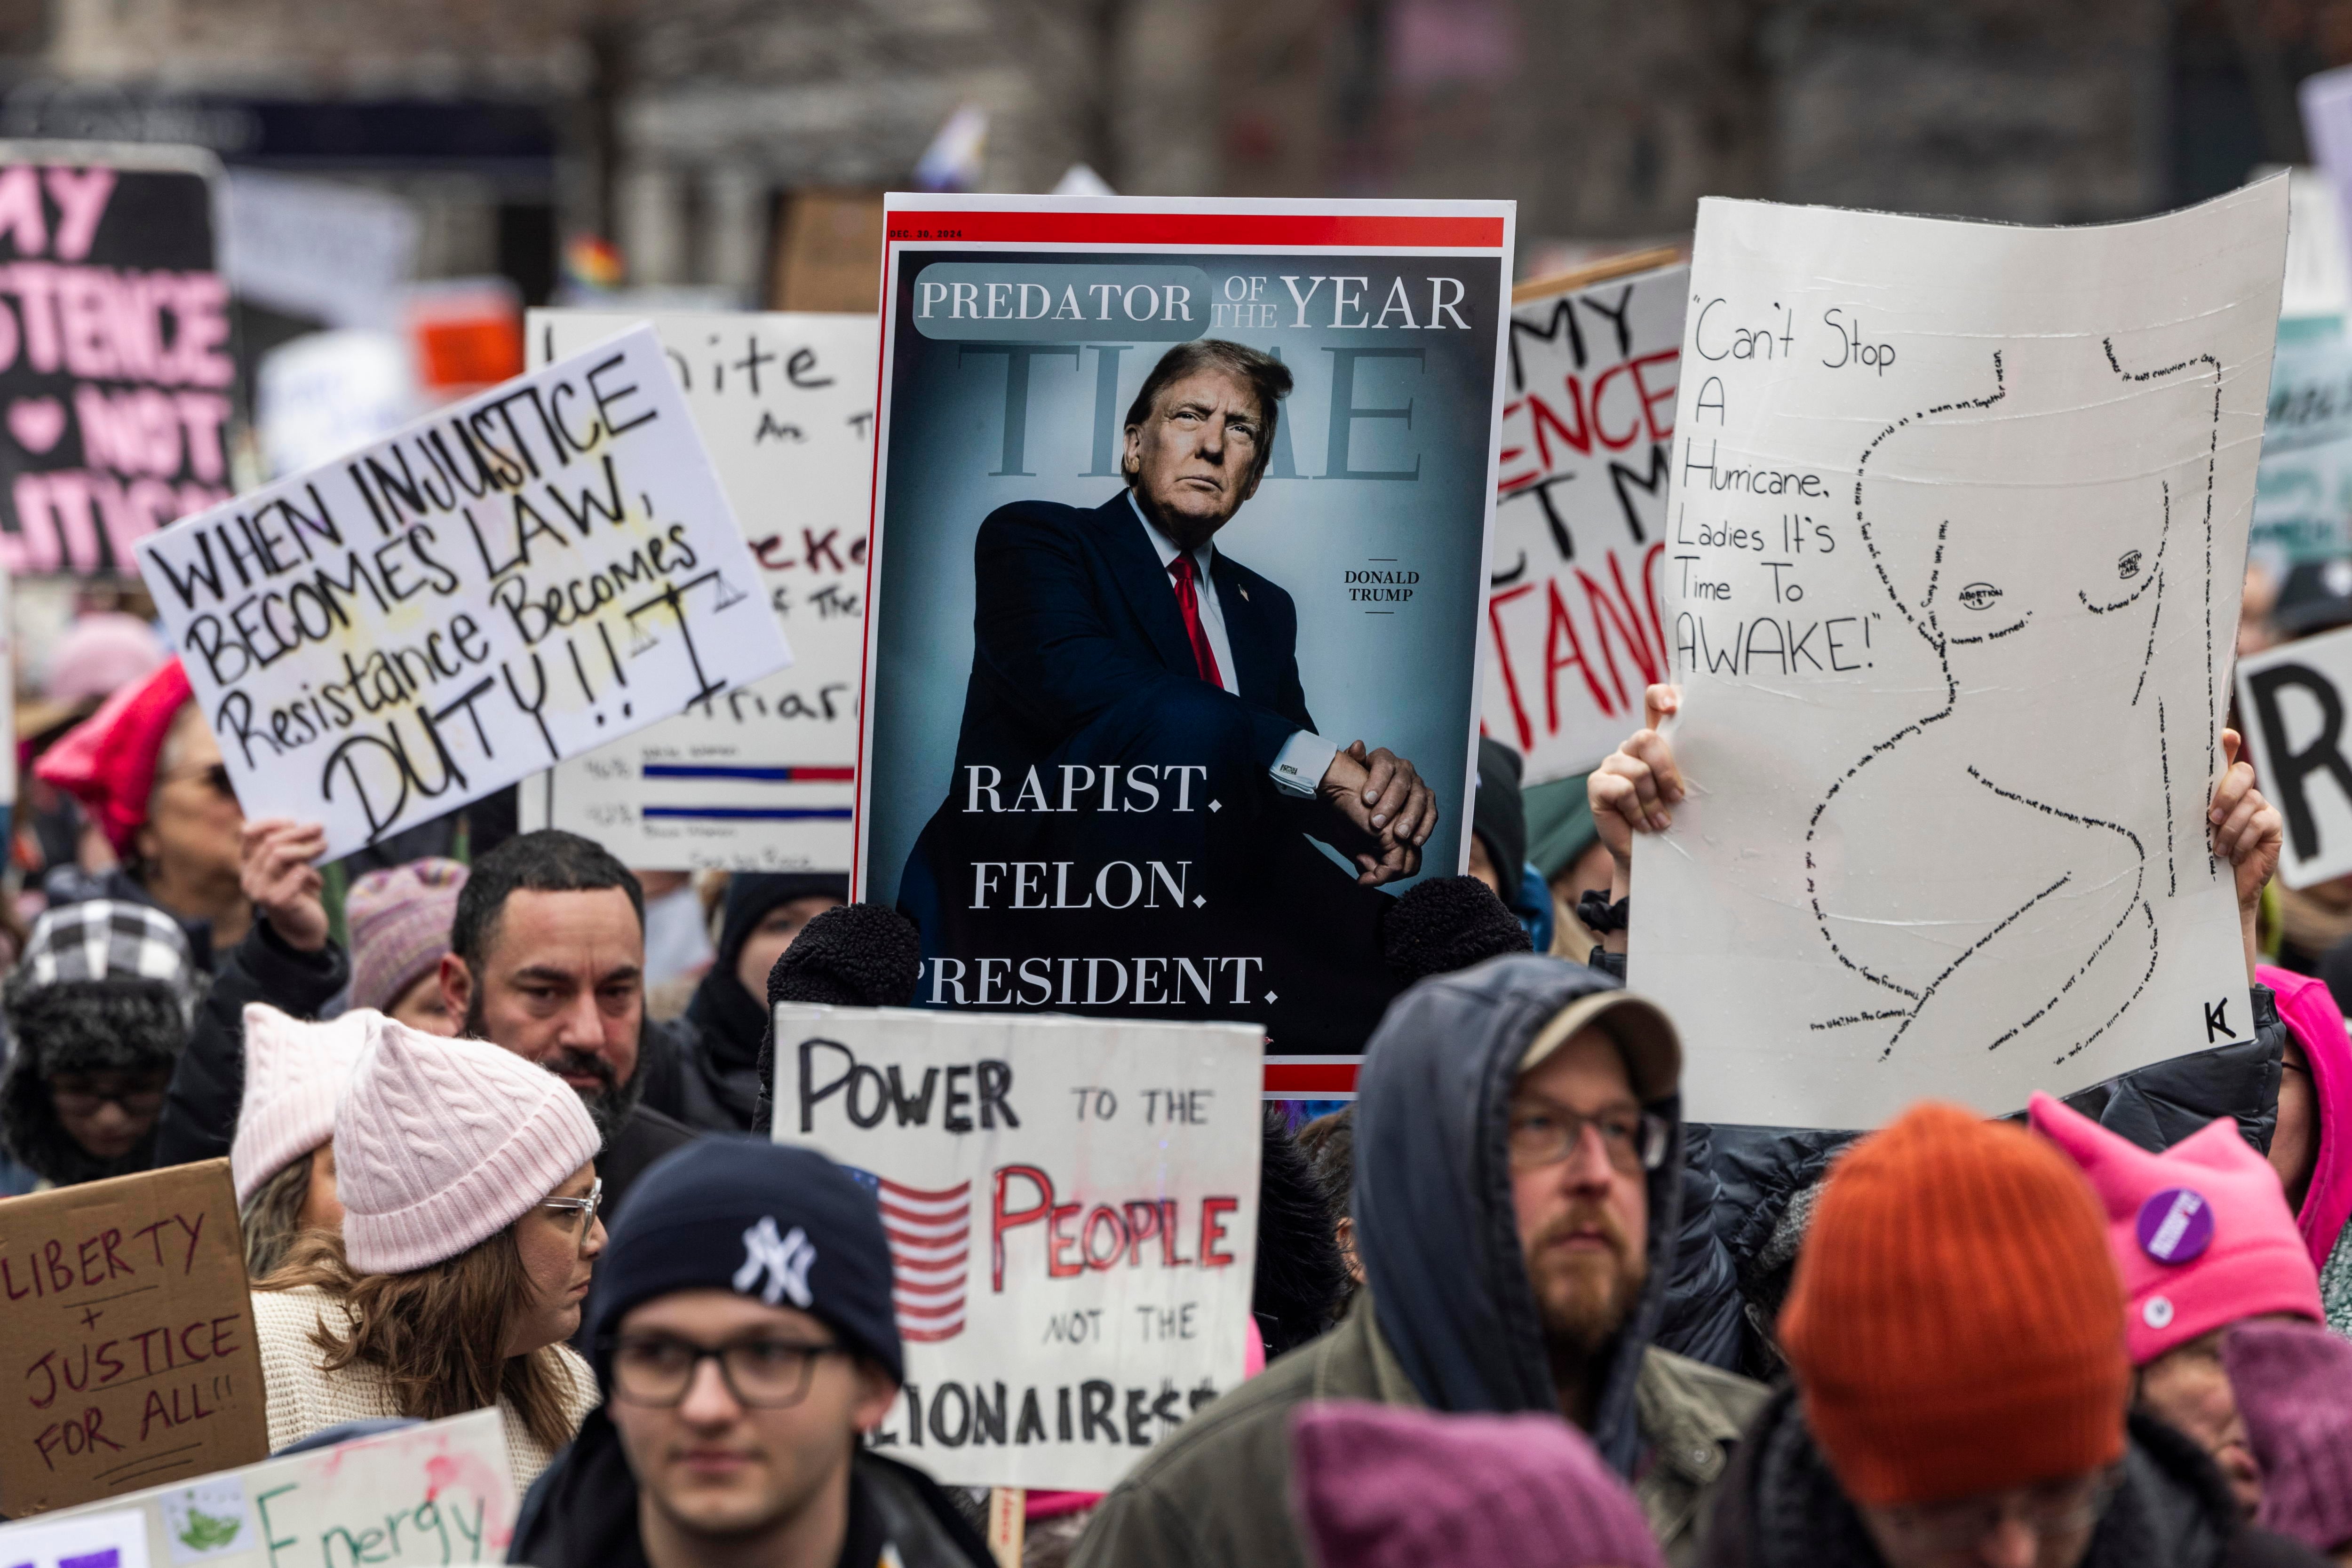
(427,1496)
(130,1349)
(513,580)
(763,777)
(1574,630)
(1072,1212)
(2292,702)
(1959,522)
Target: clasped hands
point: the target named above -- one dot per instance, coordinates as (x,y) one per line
(1391,812)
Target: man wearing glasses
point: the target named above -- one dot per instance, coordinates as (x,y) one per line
(1516,1193)
(743,1336)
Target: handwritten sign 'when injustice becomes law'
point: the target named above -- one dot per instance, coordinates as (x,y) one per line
(524,575)
(130,1357)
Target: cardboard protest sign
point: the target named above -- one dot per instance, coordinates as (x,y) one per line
(1090,768)
(1072,1211)
(118,377)
(2292,703)
(1959,517)
(510,580)
(760,779)
(2302,490)
(131,1341)
(434,1494)
(1572,624)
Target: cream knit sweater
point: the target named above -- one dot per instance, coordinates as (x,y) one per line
(305,1398)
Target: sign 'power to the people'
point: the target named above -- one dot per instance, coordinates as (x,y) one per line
(509,581)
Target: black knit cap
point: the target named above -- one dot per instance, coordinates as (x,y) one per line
(786,1225)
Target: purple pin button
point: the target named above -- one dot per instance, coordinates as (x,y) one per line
(2175,1225)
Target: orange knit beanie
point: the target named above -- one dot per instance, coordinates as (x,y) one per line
(1956,1324)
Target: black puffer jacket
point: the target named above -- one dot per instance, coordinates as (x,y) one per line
(1780,1507)
(207,1090)
(1738,1236)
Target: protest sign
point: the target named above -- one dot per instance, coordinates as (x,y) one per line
(760,779)
(2303,491)
(1572,624)
(2292,703)
(1072,1212)
(434,1494)
(1100,761)
(131,1338)
(1956,538)
(115,1539)
(117,373)
(510,580)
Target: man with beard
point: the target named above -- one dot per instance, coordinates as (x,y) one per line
(1516,1191)
(547,959)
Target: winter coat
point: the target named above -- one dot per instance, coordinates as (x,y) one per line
(583,1513)
(303,1397)
(1780,1507)
(200,1108)
(1740,1234)
(1447,1319)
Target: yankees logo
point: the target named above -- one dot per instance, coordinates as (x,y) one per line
(785,1259)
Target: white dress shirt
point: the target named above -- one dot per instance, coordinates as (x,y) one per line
(1306,757)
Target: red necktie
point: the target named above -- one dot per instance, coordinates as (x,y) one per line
(1187,600)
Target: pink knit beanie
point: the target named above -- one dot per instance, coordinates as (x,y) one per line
(2201,1232)
(2310,1011)
(2293,1384)
(400,919)
(1378,1486)
(294,1075)
(442,1144)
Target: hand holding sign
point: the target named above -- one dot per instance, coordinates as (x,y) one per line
(279,873)
(518,578)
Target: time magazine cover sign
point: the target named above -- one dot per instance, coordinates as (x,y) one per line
(1181,514)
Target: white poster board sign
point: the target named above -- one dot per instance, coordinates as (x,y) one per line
(2292,700)
(1072,1208)
(763,777)
(1959,520)
(509,581)
(434,1494)
(1573,631)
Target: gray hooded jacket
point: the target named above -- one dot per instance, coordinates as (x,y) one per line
(1447,1319)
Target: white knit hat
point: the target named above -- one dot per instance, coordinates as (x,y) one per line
(442,1144)
(295,1072)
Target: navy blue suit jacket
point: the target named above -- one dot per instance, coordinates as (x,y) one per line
(1075,614)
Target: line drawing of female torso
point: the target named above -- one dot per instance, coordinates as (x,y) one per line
(2021,910)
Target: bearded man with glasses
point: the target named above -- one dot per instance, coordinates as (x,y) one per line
(1516,1196)
(744,1338)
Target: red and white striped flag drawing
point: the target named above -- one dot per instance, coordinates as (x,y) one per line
(931,1237)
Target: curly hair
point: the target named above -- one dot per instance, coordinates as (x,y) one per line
(135,1026)
(439,1334)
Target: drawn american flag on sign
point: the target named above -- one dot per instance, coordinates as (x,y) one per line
(931,1237)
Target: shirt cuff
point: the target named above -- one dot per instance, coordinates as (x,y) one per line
(1299,767)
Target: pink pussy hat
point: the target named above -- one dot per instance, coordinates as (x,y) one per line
(442,1144)
(2201,1233)
(295,1072)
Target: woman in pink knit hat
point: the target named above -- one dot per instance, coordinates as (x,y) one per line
(283,1160)
(469,1235)
(2203,1238)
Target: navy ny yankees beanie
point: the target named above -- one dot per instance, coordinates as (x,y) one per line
(786,1225)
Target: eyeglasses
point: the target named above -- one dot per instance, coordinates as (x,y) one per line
(86,1101)
(584,1207)
(2052,1508)
(1539,1134)
(761,1375)
(214,777)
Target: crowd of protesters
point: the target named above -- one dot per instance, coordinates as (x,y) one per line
(495,1107)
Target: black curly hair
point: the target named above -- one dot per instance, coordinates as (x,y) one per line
(81,1026)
